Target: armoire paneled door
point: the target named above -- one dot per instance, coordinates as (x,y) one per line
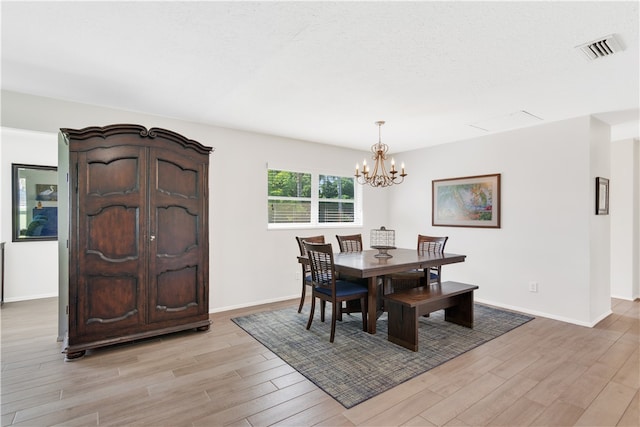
(138,250)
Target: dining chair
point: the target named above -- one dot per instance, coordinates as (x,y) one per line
(306,269)
(421,277)
(350,243)
(328,288)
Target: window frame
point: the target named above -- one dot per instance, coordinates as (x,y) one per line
(315,201)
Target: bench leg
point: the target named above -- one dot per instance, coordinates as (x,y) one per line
(403,326)
(462,312)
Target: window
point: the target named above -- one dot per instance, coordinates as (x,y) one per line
(337,201)
(306,199)
(289,197)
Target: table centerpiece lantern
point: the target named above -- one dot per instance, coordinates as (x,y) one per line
(383,240)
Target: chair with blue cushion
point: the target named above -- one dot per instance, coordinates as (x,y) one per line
(328,288)
(351,243)
(306,270)
(421,277)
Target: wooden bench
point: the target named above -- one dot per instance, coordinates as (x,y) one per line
(405,307)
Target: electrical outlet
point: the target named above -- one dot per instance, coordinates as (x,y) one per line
(533,286)
(298,275)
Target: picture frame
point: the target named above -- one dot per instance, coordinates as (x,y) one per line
(470,201)
(34,191)
(602,196)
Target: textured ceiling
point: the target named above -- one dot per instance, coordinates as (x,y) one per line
(326,71)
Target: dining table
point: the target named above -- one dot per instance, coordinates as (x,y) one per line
(365,264)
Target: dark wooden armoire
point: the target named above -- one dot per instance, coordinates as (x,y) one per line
(135,260)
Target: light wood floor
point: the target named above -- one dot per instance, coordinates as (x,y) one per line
(543,373)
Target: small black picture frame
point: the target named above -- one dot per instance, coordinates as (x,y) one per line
(602,196)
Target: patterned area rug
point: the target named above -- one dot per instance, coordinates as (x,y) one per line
(358,365)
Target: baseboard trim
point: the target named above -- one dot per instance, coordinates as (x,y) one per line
(252,304)
(625,298)
(546,315)
(30,297)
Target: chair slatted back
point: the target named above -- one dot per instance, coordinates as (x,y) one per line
(431,244)
(303,250)
(321,263)
(350,243)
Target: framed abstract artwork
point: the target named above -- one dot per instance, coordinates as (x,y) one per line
(471,201)
(35,203)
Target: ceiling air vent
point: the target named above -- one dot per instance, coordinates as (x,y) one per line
(605,46)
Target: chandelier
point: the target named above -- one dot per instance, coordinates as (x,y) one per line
(378,177)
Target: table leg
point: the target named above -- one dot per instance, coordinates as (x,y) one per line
(372,309)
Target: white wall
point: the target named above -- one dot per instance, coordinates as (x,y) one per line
(31,267)
(547,207)
(625,208)
(599,225)
(2,191)
(547,194)
(248,263)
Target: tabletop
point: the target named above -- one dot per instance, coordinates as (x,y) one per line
(365,264)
